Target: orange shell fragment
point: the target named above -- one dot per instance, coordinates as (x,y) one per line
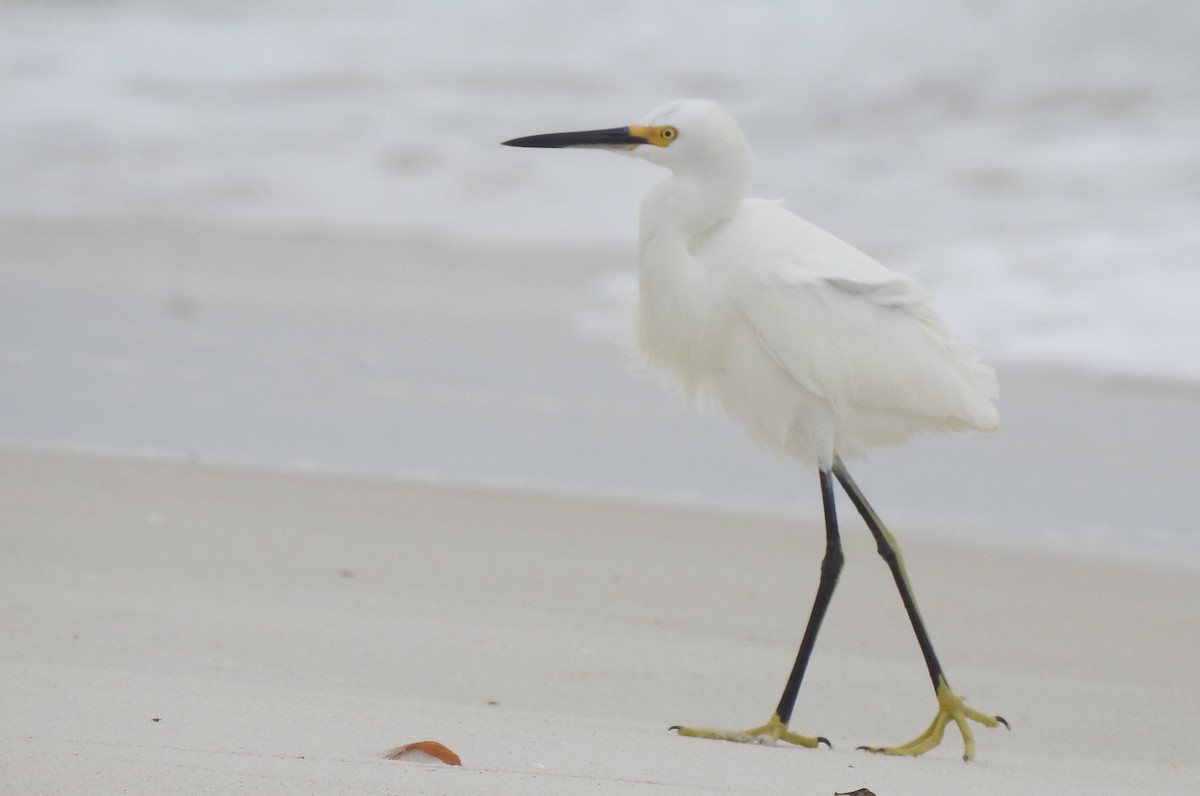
(418,750)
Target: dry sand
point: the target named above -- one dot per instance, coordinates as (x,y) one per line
(184,628)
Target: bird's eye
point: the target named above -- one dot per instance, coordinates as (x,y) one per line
(668,133)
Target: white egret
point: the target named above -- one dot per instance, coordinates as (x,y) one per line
(816,349)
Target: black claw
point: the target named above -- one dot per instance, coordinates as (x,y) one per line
(822,740)
(1003,721)
(674,727)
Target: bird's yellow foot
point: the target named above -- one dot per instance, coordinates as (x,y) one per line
(950,708)
(771,732)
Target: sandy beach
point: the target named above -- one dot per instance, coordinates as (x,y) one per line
(187,628)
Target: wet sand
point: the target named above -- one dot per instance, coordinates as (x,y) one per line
(395,356)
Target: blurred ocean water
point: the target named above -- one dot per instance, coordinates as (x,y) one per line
(1036,165)
(284,234)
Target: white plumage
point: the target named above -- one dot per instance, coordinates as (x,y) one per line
(811,345)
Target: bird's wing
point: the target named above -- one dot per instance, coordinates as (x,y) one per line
(780,236)
(856,333)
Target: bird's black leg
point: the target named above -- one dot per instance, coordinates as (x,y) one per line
(950,705)
(776,728)
(831,567)
(890,552)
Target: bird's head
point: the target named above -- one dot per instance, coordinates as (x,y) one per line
(679,135)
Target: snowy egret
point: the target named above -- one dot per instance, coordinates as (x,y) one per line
(816,349)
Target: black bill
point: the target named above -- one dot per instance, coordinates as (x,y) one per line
(617,137)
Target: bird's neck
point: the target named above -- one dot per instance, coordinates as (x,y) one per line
(687,207)
(677,214)
(674,292)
